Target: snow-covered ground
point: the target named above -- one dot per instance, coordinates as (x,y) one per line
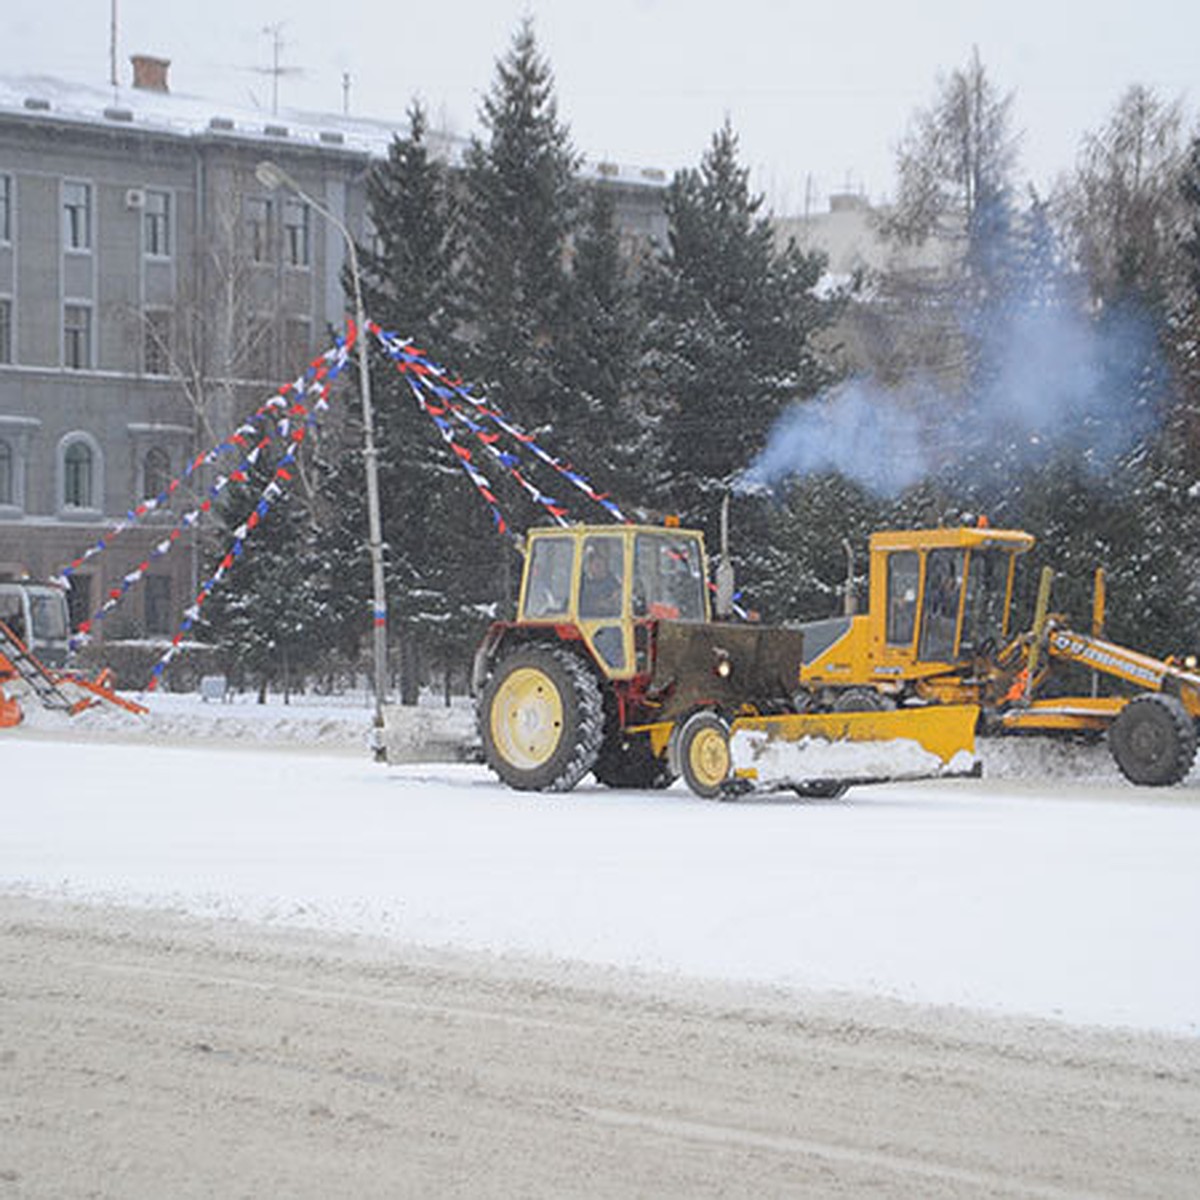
(1050,888)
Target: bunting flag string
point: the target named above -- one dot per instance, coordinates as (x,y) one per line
(292,428)
(320,368)
(465,460)
(437,381)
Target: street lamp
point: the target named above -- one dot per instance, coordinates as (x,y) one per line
(272,177)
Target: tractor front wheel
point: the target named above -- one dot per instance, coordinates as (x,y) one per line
(541,719)
(703,754)
(1153,740)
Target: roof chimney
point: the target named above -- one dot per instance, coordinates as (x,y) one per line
(150,73)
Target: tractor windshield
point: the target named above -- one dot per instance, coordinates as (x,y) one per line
(668,577)
(985,619)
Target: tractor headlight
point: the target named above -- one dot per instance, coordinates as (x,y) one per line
(723,667)
(1190,662)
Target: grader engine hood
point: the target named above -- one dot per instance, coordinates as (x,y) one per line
(723,665)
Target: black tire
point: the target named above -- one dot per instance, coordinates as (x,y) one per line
(702,752)
(821,789)
(631,764)
(541,719)
(1153,740)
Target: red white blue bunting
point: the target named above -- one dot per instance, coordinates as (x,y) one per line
(438,392)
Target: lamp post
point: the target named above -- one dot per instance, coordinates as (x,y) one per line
(272,176)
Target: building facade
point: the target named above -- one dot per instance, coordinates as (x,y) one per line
(153,292)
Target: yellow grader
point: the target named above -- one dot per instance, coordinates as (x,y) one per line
(614,665)
(938,630)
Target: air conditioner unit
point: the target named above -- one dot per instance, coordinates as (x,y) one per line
(135,198)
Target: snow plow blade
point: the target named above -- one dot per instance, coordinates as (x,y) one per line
(799,751)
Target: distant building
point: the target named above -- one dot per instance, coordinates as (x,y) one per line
(849,236)
(153,293)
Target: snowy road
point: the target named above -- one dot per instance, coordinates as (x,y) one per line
(143,1057)
(1078,902)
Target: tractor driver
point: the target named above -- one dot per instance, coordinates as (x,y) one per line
(600,588)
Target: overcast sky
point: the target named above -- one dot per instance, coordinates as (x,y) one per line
(819,93)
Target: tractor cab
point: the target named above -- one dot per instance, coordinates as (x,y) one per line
(608,583)
(939,599)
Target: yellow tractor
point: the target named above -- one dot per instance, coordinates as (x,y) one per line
(938,630)
(614,665)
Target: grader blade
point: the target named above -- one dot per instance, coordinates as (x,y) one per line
(802,750)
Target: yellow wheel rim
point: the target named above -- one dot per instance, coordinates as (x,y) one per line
(527,718)
(708,757)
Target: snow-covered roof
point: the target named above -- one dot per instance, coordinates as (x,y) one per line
(185,116)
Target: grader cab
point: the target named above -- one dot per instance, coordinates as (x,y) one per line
(939,630)
(615,666)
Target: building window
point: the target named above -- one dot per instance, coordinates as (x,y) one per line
(77,215)
(6,338)
(8,482)
(156,342)
(157,216)
(79,471)
(297,350)
(158,604)
(5,208)
(77,337)
(79,599)
(257,357)
(295,233)
(258,228)
(156,472)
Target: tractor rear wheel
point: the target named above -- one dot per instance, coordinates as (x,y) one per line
(541,719)
(703,754)
(1153,740)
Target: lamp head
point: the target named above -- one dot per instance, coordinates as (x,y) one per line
(269,175)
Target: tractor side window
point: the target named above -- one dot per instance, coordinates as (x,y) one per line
(603,581)
(939,620)
(903,579)
(668,579)
(548,581)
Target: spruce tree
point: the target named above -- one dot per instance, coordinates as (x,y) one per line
(520,203)
(269,613)
(730,325)
(612,439)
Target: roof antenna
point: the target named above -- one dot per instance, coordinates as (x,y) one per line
(112,47)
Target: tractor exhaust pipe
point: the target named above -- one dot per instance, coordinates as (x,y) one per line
(724,598)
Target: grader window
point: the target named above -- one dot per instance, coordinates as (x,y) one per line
(939,620)
(985,619)
(548,583)
(903,579)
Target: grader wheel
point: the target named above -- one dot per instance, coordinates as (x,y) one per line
(1153,740)
(541,719)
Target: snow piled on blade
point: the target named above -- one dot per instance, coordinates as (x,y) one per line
(775,760)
